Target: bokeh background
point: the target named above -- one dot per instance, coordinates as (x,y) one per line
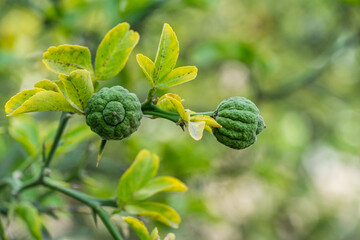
(297,60)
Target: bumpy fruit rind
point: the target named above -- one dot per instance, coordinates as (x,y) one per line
(113,113)
(240,120)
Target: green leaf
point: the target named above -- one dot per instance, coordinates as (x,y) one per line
(140,172)
(25,131)
(31,217)
(2,231)
(167,53)
(177,76)
(73,137)
(157,211)
(160,184)
(147,66)
(114,51)
(37,99)
(47,85)
(66,58)
(78,87)
(138,227)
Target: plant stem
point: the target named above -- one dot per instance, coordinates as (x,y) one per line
(93,203)
(148,108)
(62,124)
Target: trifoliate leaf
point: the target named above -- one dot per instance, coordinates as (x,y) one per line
(114,50)
(66,58)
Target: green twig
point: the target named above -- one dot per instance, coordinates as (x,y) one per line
(63,121)
(94,204)
(148,108)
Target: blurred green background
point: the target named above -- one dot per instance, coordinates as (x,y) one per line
(297,60)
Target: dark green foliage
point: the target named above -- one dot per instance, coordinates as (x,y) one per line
(113,113)
(240,120)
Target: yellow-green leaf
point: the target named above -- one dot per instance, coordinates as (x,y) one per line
(47,85)
(31,217)
(140,172)
(167,53)
(157,211)
(66,58)
(138,227)
(177,76)
(2,231)
(196,129)
(78,87)
(114,50)
(147,66)
(37,99)
(154,234)
(160,184)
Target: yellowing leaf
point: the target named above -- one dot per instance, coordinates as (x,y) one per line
(207,128)
(207,119)
(147,66)
(167,53)
(78,87)
(157,211)
(177,76)
(140,172)
(47,85)
(160,184)
(31,217)
(66,58)
(17,100)
(114,50)
(172,102)
(196,129)
(37,99)
(138,227)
